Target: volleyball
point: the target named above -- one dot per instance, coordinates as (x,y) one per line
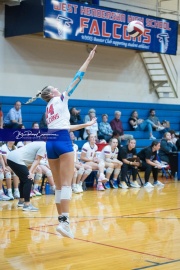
(135,28)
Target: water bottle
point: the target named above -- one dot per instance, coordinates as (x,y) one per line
(47,189)
(176,176)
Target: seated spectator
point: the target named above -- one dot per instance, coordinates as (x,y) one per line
(42,168)
(109,155)
(116,124)
(75,119)
(166,147)
(149,163)
(128,156)
(35,125)
(6,149)
(140,124)
(93,129)
(82,171)
(43,123)
(13,119)
(87,117)
(116,135)
(105,130)
(153,118)
(166,126)
(1,118)
(173,136)
(3,172)
(89,157)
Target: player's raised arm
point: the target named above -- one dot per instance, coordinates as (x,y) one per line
(80,74)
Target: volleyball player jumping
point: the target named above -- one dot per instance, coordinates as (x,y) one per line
(60,153)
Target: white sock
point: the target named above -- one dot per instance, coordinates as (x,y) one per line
(16,189)
(66,215)
(9,190)
(1,191)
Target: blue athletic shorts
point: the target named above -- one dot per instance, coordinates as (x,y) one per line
(59,147)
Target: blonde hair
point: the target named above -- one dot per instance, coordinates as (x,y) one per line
(44,94)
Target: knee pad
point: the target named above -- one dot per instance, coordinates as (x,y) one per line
(1,176)
(66,193)
(88,171)
(38,176)
(48,173)
(109,170)
(117,171)
(57,196)
(8,175)
(81,171)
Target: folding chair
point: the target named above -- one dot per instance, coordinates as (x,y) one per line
(163,169)
(128,177)
(42,183)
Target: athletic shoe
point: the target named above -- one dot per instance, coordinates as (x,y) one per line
(64,229)
(100,187)
(3,197)
(30,208)
(75,189)
(114,183)
(102,179)
(36,192)
(122,184)
(10,195)
(80,188)
(32,194)
(148,185)
(135,184)
(158,183)
(159,128)
(152,138)
(107,185)
(20,204)
(16,194)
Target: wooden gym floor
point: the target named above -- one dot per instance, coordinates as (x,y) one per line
(115,229)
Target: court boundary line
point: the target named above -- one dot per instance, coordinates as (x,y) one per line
(111,246)
(155,264)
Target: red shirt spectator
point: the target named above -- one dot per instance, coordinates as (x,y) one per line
(116,123)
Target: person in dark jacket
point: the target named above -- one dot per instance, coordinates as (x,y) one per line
(75,119)
(166,147)
(149,162)
(168,153)
(43,123)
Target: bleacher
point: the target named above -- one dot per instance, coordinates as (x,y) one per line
(33,112)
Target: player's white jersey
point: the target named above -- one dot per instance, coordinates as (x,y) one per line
(89,150)
(108,151)
(5,150)
(57,113)
(75,148)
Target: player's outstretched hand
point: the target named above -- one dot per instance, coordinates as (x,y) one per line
(91,55)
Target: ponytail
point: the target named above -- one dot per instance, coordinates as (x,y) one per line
(44,94)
